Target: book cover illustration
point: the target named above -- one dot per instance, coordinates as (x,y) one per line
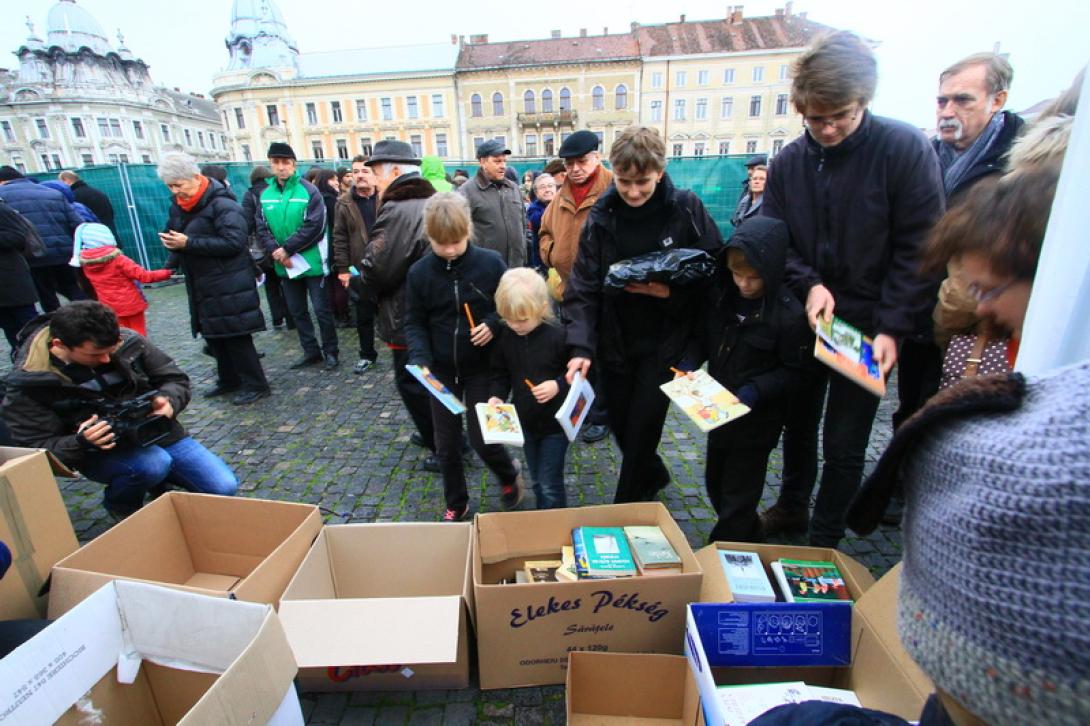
(811,581)
(542,570)
(846,350)
(435,387)
(605,552)
(704,400)
(652,549)
(500,424)
(576,406)
(746,576)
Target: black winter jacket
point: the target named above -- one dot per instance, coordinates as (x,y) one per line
(16,285)
(251,203)
(539,356)
(51,215)
(97,202)
(593,330)
(858,214)
(436,327)
(219,275)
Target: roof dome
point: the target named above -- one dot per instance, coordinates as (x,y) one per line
(71,27)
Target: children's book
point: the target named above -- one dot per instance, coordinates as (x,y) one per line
(500,424)
(435,387)
(576,406)
(746,576)
(704,400)
(542,570)
(602,552)
(810,581)
(653,553)
(846,350)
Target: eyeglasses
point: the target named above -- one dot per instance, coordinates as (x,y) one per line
(836,119)
(980,295)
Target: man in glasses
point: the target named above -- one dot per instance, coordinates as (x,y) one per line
(859,194)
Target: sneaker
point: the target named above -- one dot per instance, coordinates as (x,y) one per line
(453,515)
(362,365)
(779,520)
(592,434)
(511,494)
(331,362)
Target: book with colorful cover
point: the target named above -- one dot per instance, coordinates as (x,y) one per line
(500,424)
(811,581)
(435,387)
(653,553)
(846,350)
(704,400)
(602,552)
(746,576)
(573,411)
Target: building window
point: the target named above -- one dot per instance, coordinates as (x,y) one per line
(565,99)
(528,103)
(728,76)
(45,162)
(77,128)
(223,141)
(138,130)
(548,141)
(441,145)
(312,114)
(124,158)
(316,150)
(601,139)
(342,149)
(475,105)
(598,99)
(781,104)
(211,139)
(416,141)
(564,136)
(679,149)
(387,105)
(679,109)
(777,146)
(9,132)
(188,138)
(411,108)
(621,96)
(497,104)
(87,159)
(702,78)
(361,109)
(437,105)
(783,73)
(57,163)
(701,108)
(43,128)
(547,101)
(200,139)
(165,131)
(335,112)
(103,127)
(240,119)
(724,148)
(751,146)
(679,78)
(754,106)
(656,110)
(656,80)
(112,158)
(115,128)
(531,144)
(246,155)
(273,114)
(726,107)
(758,74)
(365,146)
(698,148)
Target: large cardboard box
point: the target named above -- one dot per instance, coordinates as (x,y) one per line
(382,607)
(246,549)
(525,632)
(611,689)
(881,674)
(133,653)
(34,524)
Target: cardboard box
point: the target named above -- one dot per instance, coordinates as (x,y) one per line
(604,689)
(151,655)
(881,674)
(246,549)
(34,524)
(382,607)
(525,632)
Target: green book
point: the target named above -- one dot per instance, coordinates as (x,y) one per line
(811,581)
(651,549)
(605,550)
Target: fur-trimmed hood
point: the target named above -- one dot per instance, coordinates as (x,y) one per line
(407,186)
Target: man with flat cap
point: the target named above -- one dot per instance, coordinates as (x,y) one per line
(495,203)
(291,227)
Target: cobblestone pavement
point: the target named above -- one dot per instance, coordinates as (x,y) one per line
(341,441)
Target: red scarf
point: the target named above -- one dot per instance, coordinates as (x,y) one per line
(1012,351)
(188,204)
(579,192)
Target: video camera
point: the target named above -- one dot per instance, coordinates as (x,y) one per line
(130,422)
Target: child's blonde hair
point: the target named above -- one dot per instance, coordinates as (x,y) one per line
(446,218)
(523,295)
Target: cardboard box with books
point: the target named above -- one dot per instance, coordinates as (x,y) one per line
(133,653)
(382,607)
(597,598)
(777,639)
(604,689)
(244,548)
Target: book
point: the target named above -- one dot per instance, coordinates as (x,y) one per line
(567,570)
(541,570)
(742,704)
(653,553)
(834,695)
(602,552)
(576,406)
(810,581)
(746,576)
(704,400)
(500,424)
(846,350)
(435,387)
(521,577)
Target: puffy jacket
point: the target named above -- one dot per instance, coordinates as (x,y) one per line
(97,202)
(219,276)
(16,284)
(499,217)
(558,238)
(114,277)
(540,355)
(82,210)
(397,241)
(51,215)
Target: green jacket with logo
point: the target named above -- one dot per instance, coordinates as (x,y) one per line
(292,216)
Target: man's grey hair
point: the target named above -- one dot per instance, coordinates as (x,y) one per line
(997,71)
(68,177)
(176,166)
(382,169)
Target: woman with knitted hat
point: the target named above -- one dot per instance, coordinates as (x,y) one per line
(114,277)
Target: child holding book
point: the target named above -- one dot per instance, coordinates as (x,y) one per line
(114,276)
(530,357)
(760,347)
(450,321)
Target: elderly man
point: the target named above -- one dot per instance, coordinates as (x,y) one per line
(397,241)
(495,202)
(91,198)
(353,218)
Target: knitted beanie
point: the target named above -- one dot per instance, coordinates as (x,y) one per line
(995,596)
(90,235)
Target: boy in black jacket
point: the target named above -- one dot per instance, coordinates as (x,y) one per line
(450,319)
(759,346)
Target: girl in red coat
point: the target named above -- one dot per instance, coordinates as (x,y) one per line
(114,276)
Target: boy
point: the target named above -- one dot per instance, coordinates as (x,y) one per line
(450,319)
(760,347)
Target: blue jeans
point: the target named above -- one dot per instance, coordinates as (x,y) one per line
(128,474)
(545,456)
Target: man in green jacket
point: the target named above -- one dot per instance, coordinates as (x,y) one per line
(291,226)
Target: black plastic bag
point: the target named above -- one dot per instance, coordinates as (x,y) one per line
(680,267)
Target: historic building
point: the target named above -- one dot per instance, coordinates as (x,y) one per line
(75,101)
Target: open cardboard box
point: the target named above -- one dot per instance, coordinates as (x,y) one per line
(246,549)
(525,631)
(611,689)
(135,653)
(881,674)
(34,524)
(382,607)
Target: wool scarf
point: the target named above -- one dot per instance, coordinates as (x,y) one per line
(955,166)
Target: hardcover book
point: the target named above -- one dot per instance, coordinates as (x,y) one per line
(704,400)
(602,552)
(500,424)
(653,553)
(746,576)
(435,387)
(811,581)
(846,350)
(576,406)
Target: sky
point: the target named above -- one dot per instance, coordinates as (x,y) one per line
(184,42)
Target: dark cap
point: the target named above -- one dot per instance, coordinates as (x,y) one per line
(391,151)
(7,173)
(579,143)
(280,150)
(554,167)
(758,160)
(492,147)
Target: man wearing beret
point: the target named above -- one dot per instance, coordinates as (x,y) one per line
(495,203)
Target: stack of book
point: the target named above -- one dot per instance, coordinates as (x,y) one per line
(798,580)
(601,553)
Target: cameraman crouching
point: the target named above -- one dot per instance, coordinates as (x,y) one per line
(80,389)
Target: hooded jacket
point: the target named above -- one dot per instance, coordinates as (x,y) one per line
(499,217)
(431,168)
(51,215)
(114,277)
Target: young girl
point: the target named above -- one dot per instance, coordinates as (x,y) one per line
(531,350)
(113,275)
